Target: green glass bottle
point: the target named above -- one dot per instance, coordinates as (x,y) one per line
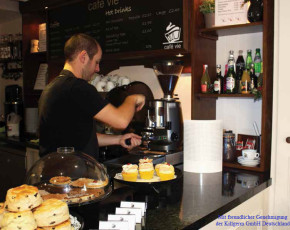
(257,62)
(231,81)
(249,60)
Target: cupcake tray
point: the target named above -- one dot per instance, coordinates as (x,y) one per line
(155,180)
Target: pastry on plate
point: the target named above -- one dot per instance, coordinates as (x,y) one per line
(146,171)
(130,172)
(18,220)
(157,167)
(166,172)
(22,198)
(89,183)
(2,211)
(62,226)
(51,212)
(97,183)
(145,160)
(55,196)
(60,180)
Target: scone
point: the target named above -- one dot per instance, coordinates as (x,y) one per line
(166,172)
(18,220)
(22,198)
(62,226)
(60,180)
(146,171)
(157,167)
(2,210)
(51,212)
(130,172)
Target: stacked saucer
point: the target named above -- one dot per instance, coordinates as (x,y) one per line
(249,162)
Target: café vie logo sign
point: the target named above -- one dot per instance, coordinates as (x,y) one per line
(100,4)
(172,36)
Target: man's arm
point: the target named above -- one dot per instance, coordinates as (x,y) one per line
(105,140)
(120,117)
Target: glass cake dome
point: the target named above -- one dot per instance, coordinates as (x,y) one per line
(71,176)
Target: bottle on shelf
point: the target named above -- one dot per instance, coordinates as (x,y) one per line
(231,80)
(260,78)
(231,60)
(219,81)
(205,80)
(240,67)
(245,83)
(253,77)
(257,62)
(249,60)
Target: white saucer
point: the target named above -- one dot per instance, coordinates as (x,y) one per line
(249,164)
(241,158)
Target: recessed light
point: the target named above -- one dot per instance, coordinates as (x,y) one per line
(179,55)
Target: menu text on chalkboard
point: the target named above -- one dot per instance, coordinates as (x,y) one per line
(118,25)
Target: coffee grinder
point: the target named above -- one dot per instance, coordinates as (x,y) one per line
(164,122)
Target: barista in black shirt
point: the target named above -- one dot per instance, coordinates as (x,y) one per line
(69,106)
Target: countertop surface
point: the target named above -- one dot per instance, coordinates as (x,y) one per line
(23,141)
(188,203)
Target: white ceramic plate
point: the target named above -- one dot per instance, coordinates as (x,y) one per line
(249,164)
(253,161)
(241,158)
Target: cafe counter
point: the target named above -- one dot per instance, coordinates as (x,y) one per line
(190,202)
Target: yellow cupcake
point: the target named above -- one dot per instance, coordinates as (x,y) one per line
(145,160)
(158,166)
(166,172)
(130,172)
(146,171)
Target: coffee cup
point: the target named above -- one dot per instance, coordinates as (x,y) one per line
(110,85)
(101,85)
(250,154)
(125,81)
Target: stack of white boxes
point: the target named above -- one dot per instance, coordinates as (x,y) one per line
(42,37)
(129,216)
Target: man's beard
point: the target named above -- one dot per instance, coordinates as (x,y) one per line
(86,75)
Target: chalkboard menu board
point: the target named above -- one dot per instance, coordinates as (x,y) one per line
(118,25)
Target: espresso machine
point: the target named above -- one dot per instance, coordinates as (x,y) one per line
(164,123)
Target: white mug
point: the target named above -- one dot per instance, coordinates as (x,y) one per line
(101,85)
(250,154)
(110,85)
(125,81)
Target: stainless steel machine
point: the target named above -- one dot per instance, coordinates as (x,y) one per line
(164,122)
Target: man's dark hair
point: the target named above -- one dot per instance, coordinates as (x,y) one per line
(78,43)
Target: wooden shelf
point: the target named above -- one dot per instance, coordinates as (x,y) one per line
(239,166)
(39,53)
(215,32)
(9,60)
(204,95)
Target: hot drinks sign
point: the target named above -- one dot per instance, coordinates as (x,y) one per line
(119,25)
